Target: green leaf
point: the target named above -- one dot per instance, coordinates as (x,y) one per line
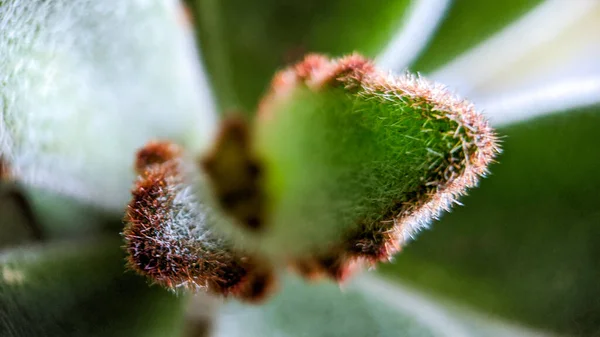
(318,310)
(80,290)
(345,162)
(84,84)
(366,307)
(63,217)
(18,224)
(525,245)
(32,214)
(244,42)
(468,23)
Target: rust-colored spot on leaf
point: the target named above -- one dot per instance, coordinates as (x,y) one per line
(5,173)
(337,265)
(235,175)
(156,152)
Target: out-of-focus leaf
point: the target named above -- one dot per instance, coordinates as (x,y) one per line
(546,61)
(366,307)
(517,76)
(318,310)
(526,245)
(32,214)
(64,217)
(467,23)
(80,290)
(18,224)
(83,84)
(199,314)
(244,42)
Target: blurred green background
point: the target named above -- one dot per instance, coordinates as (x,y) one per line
(525,246)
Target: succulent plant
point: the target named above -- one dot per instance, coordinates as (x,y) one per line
(163,163)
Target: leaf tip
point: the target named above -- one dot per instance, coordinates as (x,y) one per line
(167,241)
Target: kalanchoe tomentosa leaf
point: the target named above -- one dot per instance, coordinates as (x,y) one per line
(167,237)
(353,162)
(342,165)
(74,72)
(530,256)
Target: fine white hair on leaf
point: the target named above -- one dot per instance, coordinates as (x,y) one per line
(398,183)
(540,26)
(422,21)
(455,109)
(185,231)
(168,237)
(84,84)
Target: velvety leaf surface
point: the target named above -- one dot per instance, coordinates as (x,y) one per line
(80,290)
(83,84)
(245,42)
(344,162)
(526,244)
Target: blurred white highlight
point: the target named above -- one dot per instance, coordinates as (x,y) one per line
(545,62)
(510,108)
(539,26)
(444,319)
(421,23)
(408,302)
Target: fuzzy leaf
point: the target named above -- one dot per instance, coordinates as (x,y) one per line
(345,163)
(526,244)
(244,42)
(80,290)
(168,234)
(466,24)
(84,84)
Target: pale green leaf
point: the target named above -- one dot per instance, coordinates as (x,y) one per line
(68,289)
(365,307)
(83,84)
